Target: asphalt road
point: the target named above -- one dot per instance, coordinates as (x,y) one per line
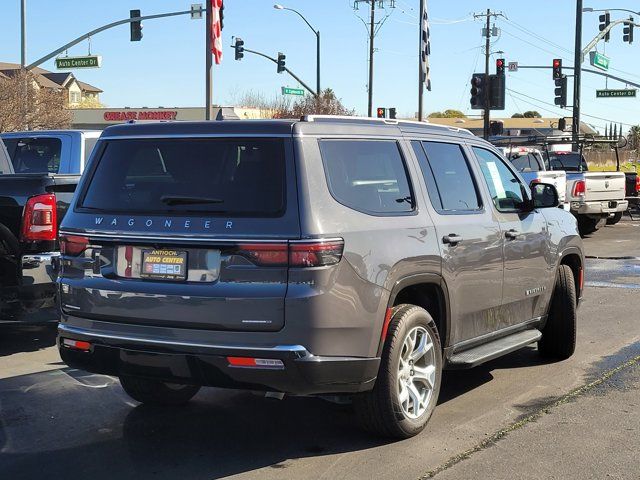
(57,422)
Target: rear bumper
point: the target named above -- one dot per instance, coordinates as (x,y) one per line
(300,372)
(599,208)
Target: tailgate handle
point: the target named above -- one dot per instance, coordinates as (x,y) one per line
(452,239)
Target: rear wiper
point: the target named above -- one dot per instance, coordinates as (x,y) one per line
(187,200)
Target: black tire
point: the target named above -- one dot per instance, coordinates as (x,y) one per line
(154,392)
(587,225)
(380,411)
(558,340)
(615,219)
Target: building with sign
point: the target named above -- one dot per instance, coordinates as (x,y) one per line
(77,92)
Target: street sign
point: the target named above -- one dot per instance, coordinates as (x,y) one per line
(90,61)
(627,92)
(512,66)
(292,91)
(598,60)
(196,11)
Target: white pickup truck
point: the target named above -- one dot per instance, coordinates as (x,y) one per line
(532,167)
(592,196)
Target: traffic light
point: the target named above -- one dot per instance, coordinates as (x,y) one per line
(605,20)
(478,91)
(557,68)
(500,66)
(392,113)
(561,91)
(497,89)
(627,32)
(496,127)
(381,112)
(136,27)
(239,48)
(562,124)
(281,58)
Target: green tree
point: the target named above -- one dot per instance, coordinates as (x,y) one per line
(634,137)
(449,113)
(517,115)
(532,114)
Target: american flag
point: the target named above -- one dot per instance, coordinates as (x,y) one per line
(216,30)
(425,47)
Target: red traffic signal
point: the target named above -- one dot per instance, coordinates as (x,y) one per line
(381,112)
(500,66)
(557,68)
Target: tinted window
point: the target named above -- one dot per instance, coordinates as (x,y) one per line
(571,162)
(367,175)
(527,162)
(36,155)
(503,185)
(89,143)
(239,177)
(449,181)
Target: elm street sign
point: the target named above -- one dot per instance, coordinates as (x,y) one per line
(292,91)
(89,61)
(627,92)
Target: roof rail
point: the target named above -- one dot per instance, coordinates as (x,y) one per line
(386,121)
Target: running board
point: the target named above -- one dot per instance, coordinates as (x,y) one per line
(488,351)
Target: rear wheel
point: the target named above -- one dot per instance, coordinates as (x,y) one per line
(406,390)
(614,219)
(156,392)
(559,334)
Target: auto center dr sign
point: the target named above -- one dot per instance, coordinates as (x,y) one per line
(126,115)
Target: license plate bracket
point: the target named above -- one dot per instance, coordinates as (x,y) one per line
(164,264)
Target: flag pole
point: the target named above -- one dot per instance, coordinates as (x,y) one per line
(208,63)
(420,66)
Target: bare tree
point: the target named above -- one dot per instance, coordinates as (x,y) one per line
(24,105)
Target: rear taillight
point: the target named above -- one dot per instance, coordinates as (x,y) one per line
(303,254)
(578,188)
(73,245)
(638,183)
(39,221)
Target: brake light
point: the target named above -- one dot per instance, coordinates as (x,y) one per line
(76,344)
(73,245)
(39,221)
(315,254)
(579,188)
(308,254)
(637,183)
(255,362)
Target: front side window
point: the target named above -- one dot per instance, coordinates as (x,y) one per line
(505,188)
(367,175)
(216,176)
(36,155)
(449,181)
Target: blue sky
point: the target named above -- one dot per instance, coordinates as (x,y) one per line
(167,67)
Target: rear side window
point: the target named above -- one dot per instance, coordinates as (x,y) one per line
(527,162)
(89,143)
(367,175)
(226,177)
(35,155)
(448,178)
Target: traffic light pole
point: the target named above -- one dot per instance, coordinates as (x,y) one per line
(306,87)
(208,108)
(81,38)
(577,75)
(487,53)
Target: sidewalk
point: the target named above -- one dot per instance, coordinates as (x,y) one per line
(594,435)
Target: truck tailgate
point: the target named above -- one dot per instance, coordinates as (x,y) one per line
(604,186)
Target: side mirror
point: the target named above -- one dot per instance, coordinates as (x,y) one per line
(544,195)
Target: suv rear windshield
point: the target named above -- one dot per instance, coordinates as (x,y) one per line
(216,176)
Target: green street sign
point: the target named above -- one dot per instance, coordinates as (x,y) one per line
(90,61)
(598,60)
(292,91)
(627,92)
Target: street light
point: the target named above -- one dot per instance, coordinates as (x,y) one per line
(317,33)
(590,9)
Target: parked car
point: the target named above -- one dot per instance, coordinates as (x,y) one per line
(35,192)
(327,255)
(593,196)
(533,168)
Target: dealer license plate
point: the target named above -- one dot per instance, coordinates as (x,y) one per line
(164,264)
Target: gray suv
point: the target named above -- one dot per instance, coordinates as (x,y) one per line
(321,256)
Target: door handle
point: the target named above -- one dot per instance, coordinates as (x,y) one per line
(452,239)
(512,234)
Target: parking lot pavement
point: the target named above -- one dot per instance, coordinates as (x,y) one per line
(58,420)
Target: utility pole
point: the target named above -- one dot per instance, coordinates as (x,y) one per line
(371,37)
(577,75)
(23,33)
(420,73)
(208,64)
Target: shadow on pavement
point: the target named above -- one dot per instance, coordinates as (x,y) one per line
(26,338)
